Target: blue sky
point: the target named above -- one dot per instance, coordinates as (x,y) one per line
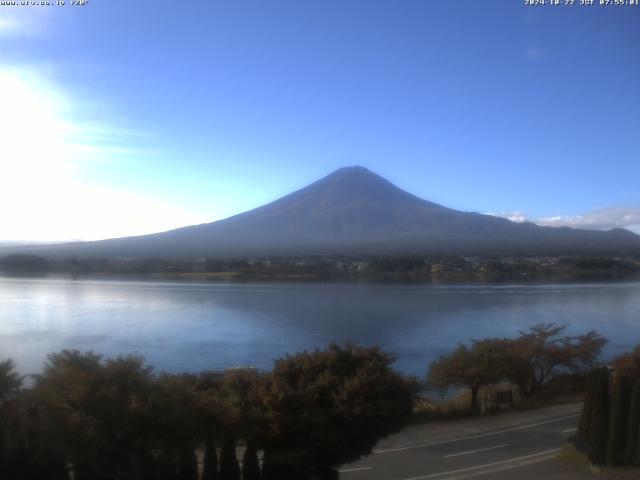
(123,117)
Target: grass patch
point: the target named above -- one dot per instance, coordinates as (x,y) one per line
(429,409)
(578,463)
(538,401)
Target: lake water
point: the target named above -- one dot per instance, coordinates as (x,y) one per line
(198,326)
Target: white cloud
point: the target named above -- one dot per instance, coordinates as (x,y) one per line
(597,219)
(8,25)
(42,144)
(16,20)
(517,217)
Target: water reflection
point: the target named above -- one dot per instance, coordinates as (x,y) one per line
(182,326)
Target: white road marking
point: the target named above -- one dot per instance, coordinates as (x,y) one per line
(354,469)
(472,437)
(503,468)
(514,461)
(570,430)
(469,452)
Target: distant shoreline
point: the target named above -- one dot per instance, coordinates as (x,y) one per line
(361,269)
(451,278)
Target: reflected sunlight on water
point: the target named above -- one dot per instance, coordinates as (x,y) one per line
(196,326)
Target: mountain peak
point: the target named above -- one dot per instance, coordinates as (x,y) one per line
(354,169)
(355,184)
(352,173)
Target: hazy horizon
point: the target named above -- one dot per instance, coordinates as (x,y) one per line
(515,217)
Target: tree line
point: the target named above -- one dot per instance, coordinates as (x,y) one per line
(405,266)
(89,417)
(609,427)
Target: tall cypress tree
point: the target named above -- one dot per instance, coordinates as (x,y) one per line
(167,466)
(52,467)
(618,420)
(229,468)
(83,471)
(250,465)
(587,408)
(145,467)
(636,459)
(280,466)
(210,461)
(633,425)
(187,464)
(599,425)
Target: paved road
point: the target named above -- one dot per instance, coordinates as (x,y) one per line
(507,446)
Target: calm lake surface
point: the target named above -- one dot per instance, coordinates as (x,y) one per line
(199,326)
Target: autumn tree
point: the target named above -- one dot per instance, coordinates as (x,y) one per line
(173,405)
(66,392)
(10,386)
(243,418)
(329,407)
(210,414)
(10,381)
(543,350)
(482,364)
(629,363)
(100,411)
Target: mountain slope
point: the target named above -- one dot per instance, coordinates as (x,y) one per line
(354,211)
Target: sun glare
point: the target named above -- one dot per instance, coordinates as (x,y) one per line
(40,151)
